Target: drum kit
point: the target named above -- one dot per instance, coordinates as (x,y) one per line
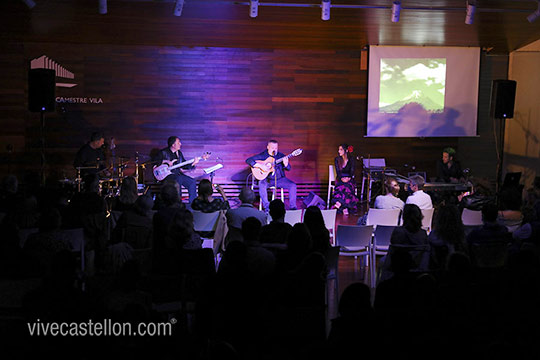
(110,178)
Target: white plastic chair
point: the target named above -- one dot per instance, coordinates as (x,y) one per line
(427,219)
(329,217)
(355,240)
(293,216)
(381,244)
(205,221)
(471,217)
(331,183)
(387,217)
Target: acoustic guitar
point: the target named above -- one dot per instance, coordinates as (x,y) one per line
(263,168)
(164,170)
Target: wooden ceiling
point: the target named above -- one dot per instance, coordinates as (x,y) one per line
(500,26)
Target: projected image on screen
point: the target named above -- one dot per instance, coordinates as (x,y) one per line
(406,81)
(422,91)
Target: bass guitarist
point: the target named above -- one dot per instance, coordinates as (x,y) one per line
(171,155)
(275,163)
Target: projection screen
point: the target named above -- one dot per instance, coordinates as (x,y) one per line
(422,91)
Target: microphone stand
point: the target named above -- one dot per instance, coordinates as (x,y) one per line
(275,177)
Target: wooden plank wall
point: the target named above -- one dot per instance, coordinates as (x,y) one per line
(224,100)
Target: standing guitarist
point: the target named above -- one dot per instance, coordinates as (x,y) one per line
(172,155)
(277,176)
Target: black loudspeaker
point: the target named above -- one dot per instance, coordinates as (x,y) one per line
(314,200)
(503,95)
(41,87)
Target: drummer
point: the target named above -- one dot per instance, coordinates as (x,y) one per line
(90,156)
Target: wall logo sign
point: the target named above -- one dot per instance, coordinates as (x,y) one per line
(44,62)
(63,76)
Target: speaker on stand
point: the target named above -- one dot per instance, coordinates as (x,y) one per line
(41,98)
(503,96)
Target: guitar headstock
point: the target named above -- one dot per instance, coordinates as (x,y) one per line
(297,152)
(206,155)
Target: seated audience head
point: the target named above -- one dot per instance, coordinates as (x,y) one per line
(489,213)
(128,190)
(247,196)
(205,189)
(277,209)
(144,204)
(448,225)
(251,228)
(355,301)
(391,185)
(412,218)
(169,195)
(417,183)
(313,217)
(299,241)
(481,187)
(181,229)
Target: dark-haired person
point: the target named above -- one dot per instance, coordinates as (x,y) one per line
(344,198)
(411,232)
(172,155)
(449,169)
(277,176)
(448,235)
(205,202)
(491,231)
(128,195)
(278,230)
(91,155)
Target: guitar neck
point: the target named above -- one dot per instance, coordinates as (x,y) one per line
(182,164)
(283,158)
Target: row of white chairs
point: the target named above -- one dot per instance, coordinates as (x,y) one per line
(394,217)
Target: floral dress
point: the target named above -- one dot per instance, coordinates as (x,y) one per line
(345,192)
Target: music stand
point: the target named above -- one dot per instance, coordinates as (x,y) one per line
(376,164)
(211,170)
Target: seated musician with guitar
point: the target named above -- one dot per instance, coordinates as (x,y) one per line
(172,160)
(268,167)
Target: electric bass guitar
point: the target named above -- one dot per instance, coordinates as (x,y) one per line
(263,168)
(164,170)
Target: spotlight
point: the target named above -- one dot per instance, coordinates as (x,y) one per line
(471,8)
(532,17)
(178,6)
(325,10)
(29,3)
(396,8)
(102,7)
(253,8)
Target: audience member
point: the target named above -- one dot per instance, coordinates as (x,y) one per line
(128,195)
(278,230)
(205,202)
(411,232)
(419,197)
(390,200)
(509,209)
(320,236)
(448,235)
(491,231)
